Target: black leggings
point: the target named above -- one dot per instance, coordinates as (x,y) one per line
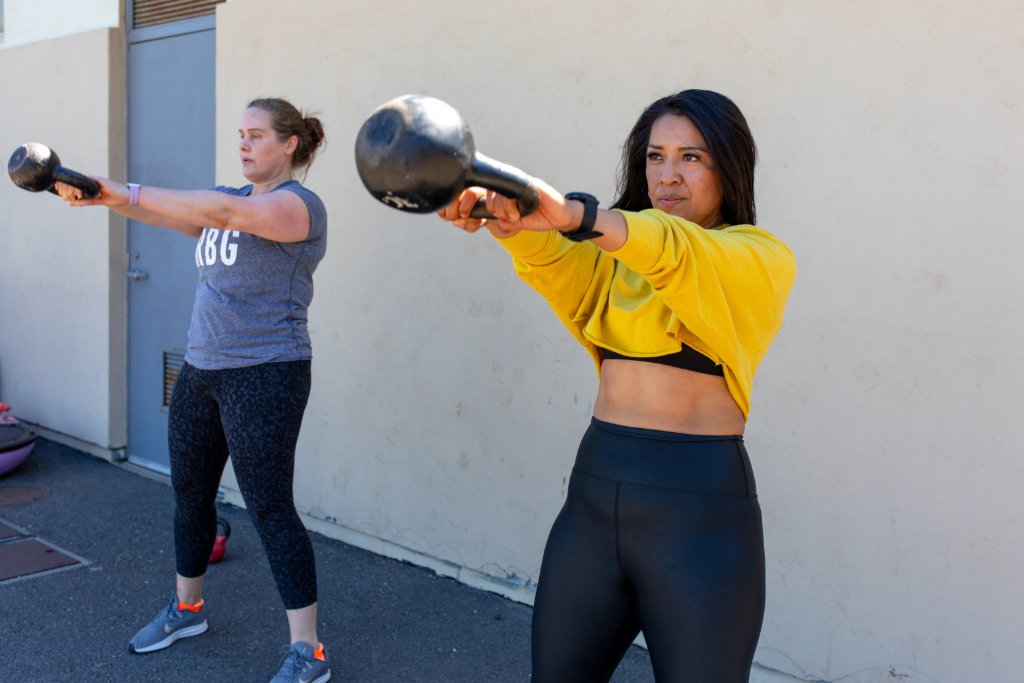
(660,532)
(253,414)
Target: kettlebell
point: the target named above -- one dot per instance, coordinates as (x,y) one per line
(220,542)
(415,153)
(35,167)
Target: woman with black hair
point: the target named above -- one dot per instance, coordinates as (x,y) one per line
(677,296)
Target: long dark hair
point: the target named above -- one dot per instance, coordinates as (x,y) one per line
(729,142)
(287,121)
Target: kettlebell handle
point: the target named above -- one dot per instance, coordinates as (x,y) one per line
(87,185)
(503,179)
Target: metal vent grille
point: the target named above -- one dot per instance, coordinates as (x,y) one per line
(173,360)
(152,12)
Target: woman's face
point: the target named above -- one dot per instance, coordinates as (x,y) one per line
(681,178)
(263,156)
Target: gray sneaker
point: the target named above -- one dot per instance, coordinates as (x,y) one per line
(300,665)
(166,627)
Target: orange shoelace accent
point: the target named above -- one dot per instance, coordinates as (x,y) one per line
(319,652)
(191,608)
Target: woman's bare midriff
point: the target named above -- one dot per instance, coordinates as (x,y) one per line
(653,396)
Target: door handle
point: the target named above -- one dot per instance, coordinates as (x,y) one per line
(136,274)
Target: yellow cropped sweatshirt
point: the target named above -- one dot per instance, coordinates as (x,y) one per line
(721,291)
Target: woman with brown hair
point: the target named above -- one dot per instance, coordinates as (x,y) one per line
(243,388)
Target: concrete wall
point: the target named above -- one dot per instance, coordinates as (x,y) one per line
(62,285)
(27,21)
(447,402)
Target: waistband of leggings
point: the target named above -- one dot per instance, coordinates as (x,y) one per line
(697,463)
(658,434)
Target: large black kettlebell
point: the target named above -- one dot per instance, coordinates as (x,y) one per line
(35,167)
(415,153)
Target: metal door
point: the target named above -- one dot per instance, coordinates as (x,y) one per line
(170,144)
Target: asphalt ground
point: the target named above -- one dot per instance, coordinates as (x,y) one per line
(382,620)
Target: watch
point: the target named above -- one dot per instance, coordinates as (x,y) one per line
(586,230)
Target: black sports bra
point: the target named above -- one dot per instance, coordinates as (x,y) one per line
(686,358)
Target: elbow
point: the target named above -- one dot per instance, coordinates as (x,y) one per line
(226,220)
(228,213)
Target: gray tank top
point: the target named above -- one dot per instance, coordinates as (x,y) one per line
(253,293)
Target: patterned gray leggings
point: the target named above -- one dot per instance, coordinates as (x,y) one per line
(252,414)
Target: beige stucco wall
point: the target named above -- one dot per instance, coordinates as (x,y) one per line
(447,402)
(62,287)
(27,21)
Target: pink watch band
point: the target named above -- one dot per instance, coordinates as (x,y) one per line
(133,194)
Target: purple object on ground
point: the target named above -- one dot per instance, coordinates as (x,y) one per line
(16,443)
